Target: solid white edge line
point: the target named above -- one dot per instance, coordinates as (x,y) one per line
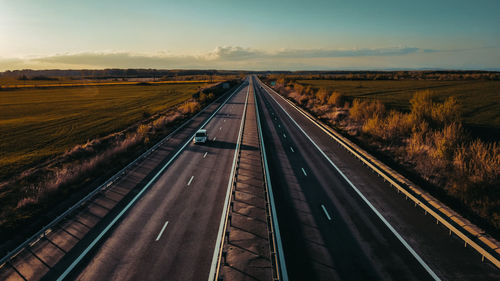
(304,171)
(205,155)
(291,148)
(326,212)
(213,267)
(388,225)
(161,231)
(111,224)
(190,180)
(215,138)
(274,214)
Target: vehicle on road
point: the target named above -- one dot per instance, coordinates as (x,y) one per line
(200,136)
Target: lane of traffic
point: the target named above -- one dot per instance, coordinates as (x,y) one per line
(191,211)
(353,245)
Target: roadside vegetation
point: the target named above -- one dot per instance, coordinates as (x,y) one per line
(420,130)
(80,136)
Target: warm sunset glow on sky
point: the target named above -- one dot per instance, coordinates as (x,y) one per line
(250,34)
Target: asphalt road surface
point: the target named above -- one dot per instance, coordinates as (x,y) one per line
(330,233)
(170,233)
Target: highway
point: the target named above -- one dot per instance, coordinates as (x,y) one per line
(330,232)
(337,219)
(172,229)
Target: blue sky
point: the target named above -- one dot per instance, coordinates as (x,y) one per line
(257,34)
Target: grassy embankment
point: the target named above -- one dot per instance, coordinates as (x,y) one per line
(418,126)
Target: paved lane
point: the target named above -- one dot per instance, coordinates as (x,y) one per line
(171,231)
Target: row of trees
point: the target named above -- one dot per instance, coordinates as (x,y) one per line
(387,75)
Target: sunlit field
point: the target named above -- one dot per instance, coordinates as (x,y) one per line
(36,124)
(479,100)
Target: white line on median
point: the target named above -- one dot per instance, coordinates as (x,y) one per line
(291,148)
(284,136)
(382,218)
(304,171)
(190,180)
(326,212)
(205,155)
(161,231)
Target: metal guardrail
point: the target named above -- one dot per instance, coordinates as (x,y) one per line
(279,256)
(229,195)
(469,233)
(46,229)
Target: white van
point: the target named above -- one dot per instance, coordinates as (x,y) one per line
(200,136)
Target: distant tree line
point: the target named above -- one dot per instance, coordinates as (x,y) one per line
(291,76)
(29,74)
(385,75)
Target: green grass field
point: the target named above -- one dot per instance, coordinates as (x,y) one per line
(36,124)
(480,100)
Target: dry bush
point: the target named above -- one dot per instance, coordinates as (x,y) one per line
(361,111)
(447,112)
(298,88)
(478,161)
(421,106)
(202,98)
(189,107)
(143,129)
(394,127)
(163,121)
(374,126)
(416,143)
(446,141)
(397,125)
(299,98)
(336,99)
(322,96)
(437,114)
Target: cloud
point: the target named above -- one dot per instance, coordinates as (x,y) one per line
(231,57)
(237,53)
